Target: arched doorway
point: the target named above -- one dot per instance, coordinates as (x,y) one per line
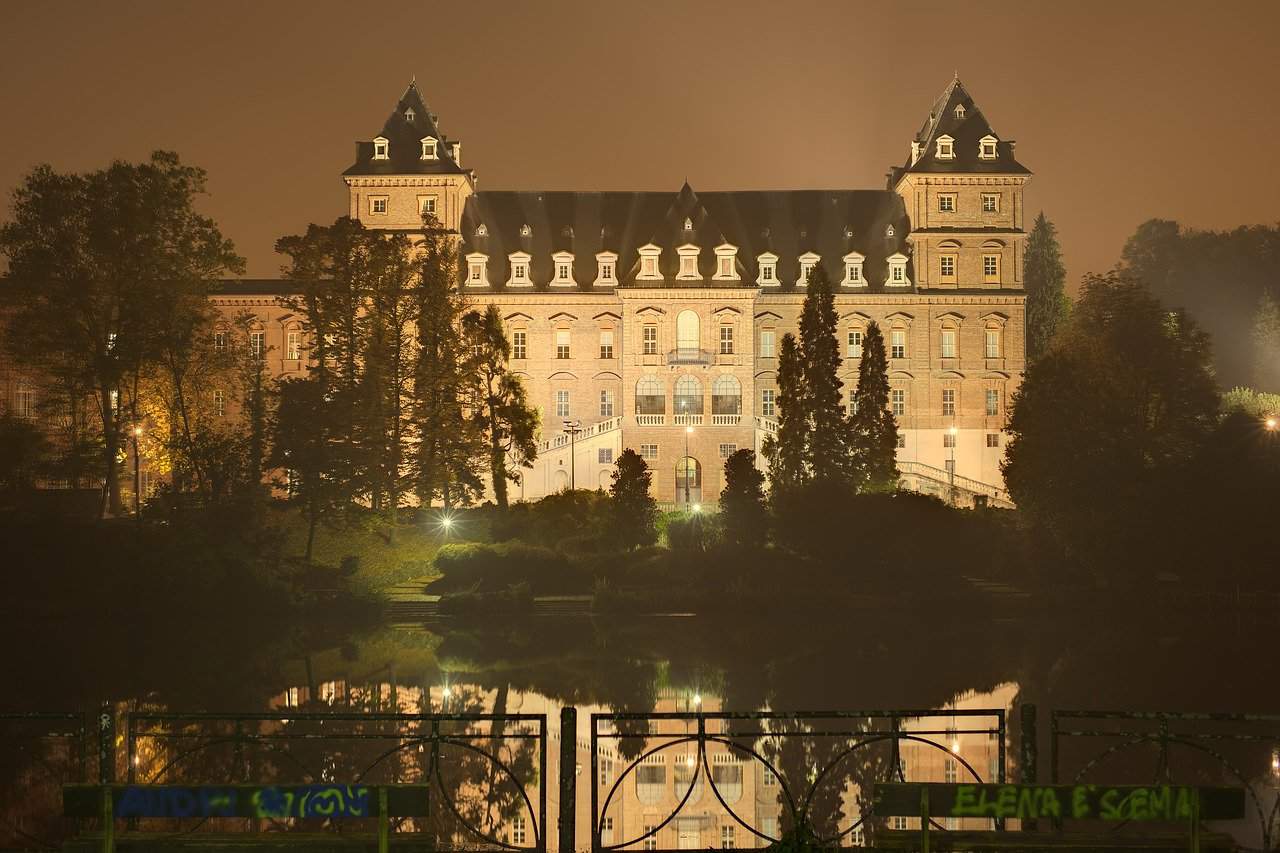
(688,481)
(561,480)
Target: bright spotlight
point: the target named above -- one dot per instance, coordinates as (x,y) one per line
(697,507)
(1272,423)
(689,430)
(446,692)
(445,522)
(697,699)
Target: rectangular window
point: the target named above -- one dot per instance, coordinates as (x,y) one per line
(897,344)
(650,338)
(768,272)
(853,402)
(726,266)
(650,840)
(990,202)
(295,345)
(606,772)
(991,268)
(519,273)
(606,343)
(606,404)
(563,272)
(257,344)
(854,348)
(606,830)
(898,822)
(562,343)
(993,343)
(606,271)
(948,343)
(948,402)
(947,202)
(519,345)
(726,340)
(378,204)
(948,440)
(898,402)
(947,267)
(648,452)
(950,465)
(993,402)
(993,439)
(767,397)
(899,272)
(24,404)
(726,838)
(427,204)
(219,402)
(770,780)
(477,272)
(727,450)
(604,455)
(219,341)
(562,404)
(901,442)
(949,771)
(766,343)
(649,268)
(517,830)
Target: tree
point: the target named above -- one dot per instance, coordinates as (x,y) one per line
(1266,344)
(501,410)
(874,427)
(301,447)
(634,511)
(1045,276)
(1107,417)
(101,266)
(785,449)
(742,503)
(450,446)
(23,451)
(829,453)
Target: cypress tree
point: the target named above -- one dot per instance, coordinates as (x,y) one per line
(634,512)
(785,450)
(829,452)
(742,504)
(875,428)
(1047,302)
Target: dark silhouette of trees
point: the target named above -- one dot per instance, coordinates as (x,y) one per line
(1266,344)
(830,453)
(302,447)
(875,430)
(1045,277)
(785,450)
(634,511)
(742,503)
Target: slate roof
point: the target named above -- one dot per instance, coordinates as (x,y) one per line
(787,223)
(405,143)
(966,132)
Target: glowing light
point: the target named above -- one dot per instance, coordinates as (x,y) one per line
(446,692)
(1272,423)
(697,507)
(955,746)
(137,431)
(445,522)
(697,699)
(689,430)
(953,430)
(688,761)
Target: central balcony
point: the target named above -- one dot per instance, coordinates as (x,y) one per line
(689,420)
(650,420)
(690,355)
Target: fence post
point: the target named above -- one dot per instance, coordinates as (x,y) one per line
(106,744)
(568,778)
(1030,750)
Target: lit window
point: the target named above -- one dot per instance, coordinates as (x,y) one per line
(898,343)
(767,343)
(991,268)
(993,343)
(257,344)
(948,343)
(294,345)
(380,149)
(606,343)
(946,148)
(993,402)
(947,202)
(854,348)
(898,402)
(990,202)
(898,822)
(649,337)
(378,204)
(648,452)
(606,405)
(947,267)
(948,402)
(562,343)
(726,340)
(993,439)
(519,344)
(562,404)
(768,396)
(219,402)
(604,455)
(727,450)
(429,148)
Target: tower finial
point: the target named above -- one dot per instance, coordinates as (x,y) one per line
(956,76)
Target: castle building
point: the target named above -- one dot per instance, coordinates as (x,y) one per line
(653,320)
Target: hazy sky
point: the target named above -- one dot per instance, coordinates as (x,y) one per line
(1124,110)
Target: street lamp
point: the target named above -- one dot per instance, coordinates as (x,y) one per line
(1272,423)
(573,428)
(951,473)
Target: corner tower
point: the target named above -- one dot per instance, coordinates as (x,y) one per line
(408,169)
(962,187)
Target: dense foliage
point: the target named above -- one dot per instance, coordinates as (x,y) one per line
(1045,277)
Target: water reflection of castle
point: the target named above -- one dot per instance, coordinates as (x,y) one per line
(640,789)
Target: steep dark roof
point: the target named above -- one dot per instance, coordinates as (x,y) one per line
(405,142)
(966,132)
(787,223)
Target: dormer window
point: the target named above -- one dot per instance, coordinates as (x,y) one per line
(519,269)
(946,148)
(726,262)
(649,263)
(808,261)
(409,115)
(987,148)
(380,148)
(688,263)
(853,270)
(429,148)
(482,230)
(455,153)
(768,266)
(525,230)
(564,268)
(888,231)
(959,111)
(606,269)
(477,270)
(688,224)
(898,270)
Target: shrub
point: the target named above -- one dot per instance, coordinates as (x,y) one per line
(481,568)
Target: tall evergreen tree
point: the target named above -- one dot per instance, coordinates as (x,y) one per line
(829,452)
(301,446)
(634,512)
(742,503)
(785,449)
(1266,344)
(501,408)
(1045,276)
(875,428)
(451,448)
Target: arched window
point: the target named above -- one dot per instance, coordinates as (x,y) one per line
(688,337)
(651,397)
(726,395)
(688,397)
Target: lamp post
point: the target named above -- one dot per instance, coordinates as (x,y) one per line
(1272,423)
(688,431)
(137,476)
(951,473)
(573,428)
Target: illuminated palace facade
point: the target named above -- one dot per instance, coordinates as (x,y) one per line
(653,320)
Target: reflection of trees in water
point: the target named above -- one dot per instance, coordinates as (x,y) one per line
(37,757)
